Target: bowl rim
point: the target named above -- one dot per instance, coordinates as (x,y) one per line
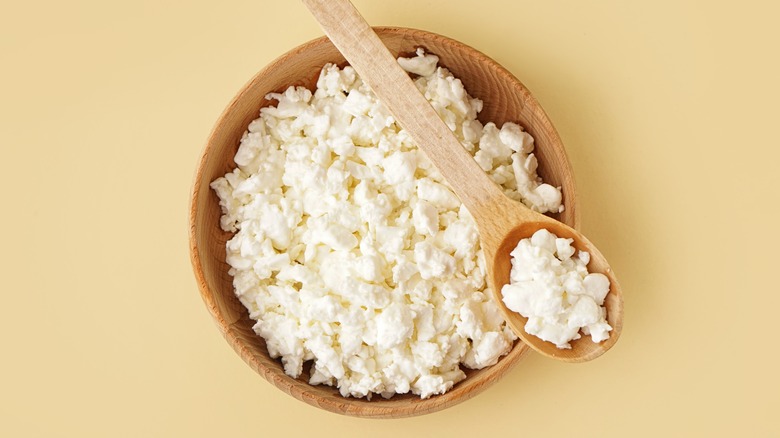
(300,389)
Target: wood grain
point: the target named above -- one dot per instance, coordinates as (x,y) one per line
(505,99)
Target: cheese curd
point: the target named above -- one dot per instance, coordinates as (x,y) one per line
(350,250)
(554,290)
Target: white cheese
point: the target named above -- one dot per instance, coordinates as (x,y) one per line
(350,250)
(555,291)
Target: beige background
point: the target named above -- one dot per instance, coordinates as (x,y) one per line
(668,110)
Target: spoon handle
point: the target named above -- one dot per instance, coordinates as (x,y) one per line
(366,53)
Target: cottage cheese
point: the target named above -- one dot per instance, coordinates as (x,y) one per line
(554,290)
(350,250)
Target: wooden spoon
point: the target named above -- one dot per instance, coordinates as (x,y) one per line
(501,221)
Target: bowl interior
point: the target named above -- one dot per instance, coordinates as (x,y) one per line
(505,99)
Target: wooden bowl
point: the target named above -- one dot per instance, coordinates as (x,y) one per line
(505,99)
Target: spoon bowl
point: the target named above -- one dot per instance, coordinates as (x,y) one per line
(518,222)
